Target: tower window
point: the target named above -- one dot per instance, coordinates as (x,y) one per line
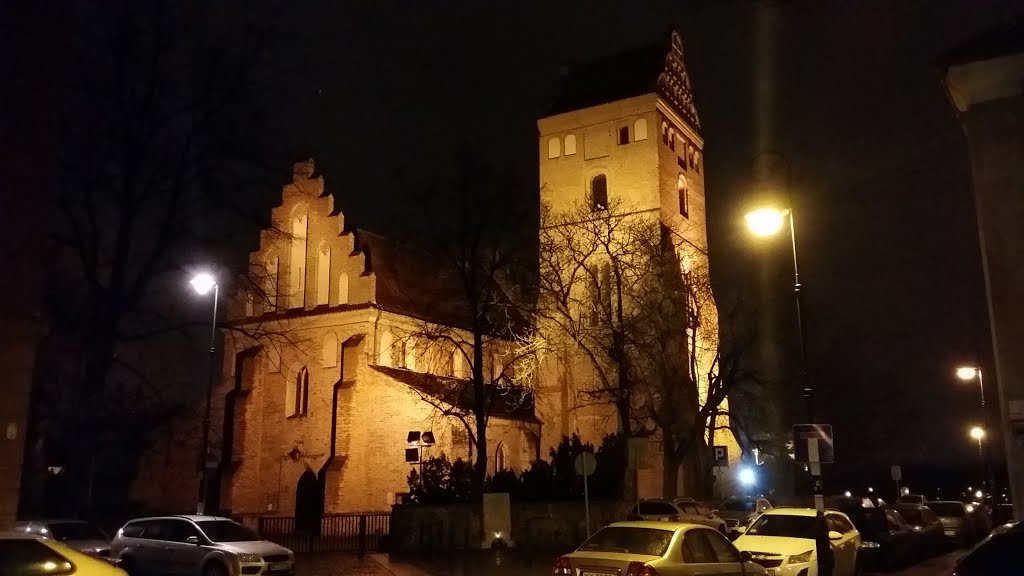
(499,458)
(554,148)
(599,193)
(664,133)
(683,186)
(671,139)
(623,135)
(297,402)
(640,130)
(570,144)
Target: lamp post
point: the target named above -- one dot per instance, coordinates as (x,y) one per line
(968,373)
(202,283)
(765,222)
(978,433)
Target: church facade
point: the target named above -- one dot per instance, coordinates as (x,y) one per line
(324,383)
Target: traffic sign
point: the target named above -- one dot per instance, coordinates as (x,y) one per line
(821,435)
(897,473)
(721,456)
(585,463)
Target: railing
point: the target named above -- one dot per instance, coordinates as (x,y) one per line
(356,533)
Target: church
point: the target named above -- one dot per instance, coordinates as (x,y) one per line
(325,389)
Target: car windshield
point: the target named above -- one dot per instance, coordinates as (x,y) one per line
(75,531)
(947,509)
(737,505)
(226,531)
(783,525)
(629,540)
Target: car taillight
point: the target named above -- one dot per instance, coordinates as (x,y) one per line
(562,567)
(640,569)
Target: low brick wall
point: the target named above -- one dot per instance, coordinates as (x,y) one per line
(557,526)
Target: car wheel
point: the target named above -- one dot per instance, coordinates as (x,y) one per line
(214,568)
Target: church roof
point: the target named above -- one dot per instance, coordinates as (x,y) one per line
(514,404)
(653,68)
(416,283)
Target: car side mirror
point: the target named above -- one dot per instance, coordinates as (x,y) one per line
(833,535)
(192,540)
(746,556)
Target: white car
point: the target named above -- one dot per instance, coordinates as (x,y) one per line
(656,548)
(697,513)
(782,540)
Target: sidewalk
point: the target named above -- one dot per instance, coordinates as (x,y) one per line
(505,563)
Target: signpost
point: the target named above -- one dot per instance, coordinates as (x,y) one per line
(585,465)
(813,446)
(722,456)
(897,475)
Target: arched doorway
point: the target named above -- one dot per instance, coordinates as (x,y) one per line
(309,504)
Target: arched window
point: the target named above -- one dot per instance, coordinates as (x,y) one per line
(459,363)
(499,457)
(384,353)
(329,355)
(250,304)
(554,148)
(343,288)
(570,144)
(274,359)
(640,130)
(297,278)
(323,275)
(410,349)
(683,188)
(599,193)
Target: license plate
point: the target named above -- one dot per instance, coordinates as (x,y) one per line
(589,573)
(950,532)
(278,566)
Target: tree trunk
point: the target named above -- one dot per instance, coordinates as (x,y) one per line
(670,474)
(480,414)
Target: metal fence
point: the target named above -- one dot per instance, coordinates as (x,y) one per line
(356,533)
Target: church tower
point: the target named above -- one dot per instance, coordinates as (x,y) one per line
(626,132)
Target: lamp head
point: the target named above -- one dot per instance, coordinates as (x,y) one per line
(977,432)
(966,372)
(765,221)
(203,282)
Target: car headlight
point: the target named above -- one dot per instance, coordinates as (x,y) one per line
(249,558)
(870,545)
(801,558)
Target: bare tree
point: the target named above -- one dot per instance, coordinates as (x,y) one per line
(159,125)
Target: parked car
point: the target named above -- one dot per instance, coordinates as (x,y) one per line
(78,534)
(912,499)
(995,555)
(739,511)
(22,553)
(696,513)
(887,541)
(656,509)
(205,545)
(656,548)
(957,524)
(928,530)
(783,539)
(1003,514)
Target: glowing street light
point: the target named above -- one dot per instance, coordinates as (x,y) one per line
(766,221)
(977,433)
(747,477)
(202,283)
(966,372)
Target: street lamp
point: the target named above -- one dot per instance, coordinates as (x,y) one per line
(968,373)
(978,433)
(202,283)
(768,222)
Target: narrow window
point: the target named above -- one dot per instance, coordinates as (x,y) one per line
(664,133)
(671,139)
(570,144)
(640,130)
(301,392)
(250,304)
(681,162)
(270,284)
(410,349)
(683,187)
(599,193)
(554,148)
(343,288)
(499,457)
(623,135)
(330,350)
(297,279)
(274,358)
(323,275)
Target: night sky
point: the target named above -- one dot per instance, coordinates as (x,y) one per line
(389,95)
(849,92)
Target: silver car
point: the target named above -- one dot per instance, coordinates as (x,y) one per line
(77,534)
(205,545)
(658,548)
